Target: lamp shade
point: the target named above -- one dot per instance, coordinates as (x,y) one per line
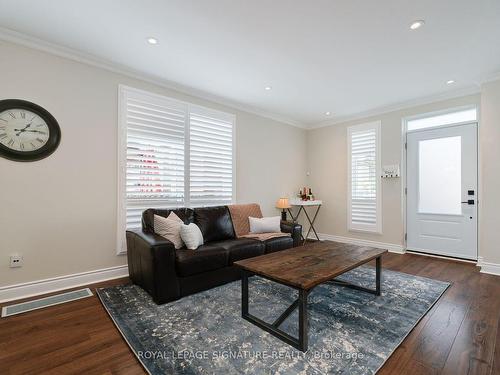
(283,203)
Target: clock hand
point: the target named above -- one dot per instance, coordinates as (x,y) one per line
(24,129)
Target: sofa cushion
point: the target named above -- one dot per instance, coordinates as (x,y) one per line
(241,248)
(185,214)
(204,258)
(278,243)
(214,222)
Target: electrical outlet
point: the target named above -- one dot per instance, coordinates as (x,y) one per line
(16,261)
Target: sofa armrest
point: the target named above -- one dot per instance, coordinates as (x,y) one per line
(294,229)
(151,264)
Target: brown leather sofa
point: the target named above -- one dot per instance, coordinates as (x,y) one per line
(168,274)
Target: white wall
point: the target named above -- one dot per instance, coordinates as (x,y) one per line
(327,163)
(489,148)
(60,212)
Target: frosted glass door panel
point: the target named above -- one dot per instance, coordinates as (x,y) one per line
(440,176)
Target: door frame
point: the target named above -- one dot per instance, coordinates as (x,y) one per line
(404,170)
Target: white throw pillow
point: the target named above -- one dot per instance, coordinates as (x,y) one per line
(192,236)
(265,224)
(169,228)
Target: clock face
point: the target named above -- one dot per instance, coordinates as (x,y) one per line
(28,132)
(22,130)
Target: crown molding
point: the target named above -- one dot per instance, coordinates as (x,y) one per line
(475,89)
(16,37)
(491,78)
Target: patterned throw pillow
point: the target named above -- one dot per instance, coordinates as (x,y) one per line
(169,228)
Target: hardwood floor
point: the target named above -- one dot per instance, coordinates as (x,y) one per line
(459,335)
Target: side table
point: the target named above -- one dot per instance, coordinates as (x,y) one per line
(302,207)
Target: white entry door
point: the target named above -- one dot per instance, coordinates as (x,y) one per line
(442,191)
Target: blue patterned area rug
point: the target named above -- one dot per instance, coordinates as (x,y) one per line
(350,332)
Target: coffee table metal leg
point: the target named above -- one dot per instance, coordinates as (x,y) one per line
(244,293)
(286,314)
(303,321)
(378,271)
(301,303)
(378,274)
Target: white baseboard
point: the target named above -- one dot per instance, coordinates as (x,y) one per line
(393,248)
(54,284)
(487,267)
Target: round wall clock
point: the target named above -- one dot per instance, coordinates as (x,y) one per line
(28,132)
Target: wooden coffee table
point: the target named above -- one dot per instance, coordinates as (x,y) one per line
(303,268)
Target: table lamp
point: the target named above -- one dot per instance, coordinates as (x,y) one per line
(283,204)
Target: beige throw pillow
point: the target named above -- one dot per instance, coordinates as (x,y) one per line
(192,236)
(265,224)
(169,228)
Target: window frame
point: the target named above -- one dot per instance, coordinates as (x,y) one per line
(370,228)
(123,91)
(440,112)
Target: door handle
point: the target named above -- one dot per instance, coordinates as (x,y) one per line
(469,202)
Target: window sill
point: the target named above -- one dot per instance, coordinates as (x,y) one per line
(378,232)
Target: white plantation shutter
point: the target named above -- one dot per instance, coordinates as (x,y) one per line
(155,154)
(211,157)
(364,177)
(172,154)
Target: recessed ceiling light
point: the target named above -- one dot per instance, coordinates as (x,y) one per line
(328,113)
(450,82)
(417,24)
(152,40)
(268,88)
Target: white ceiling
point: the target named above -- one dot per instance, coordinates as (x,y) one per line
(347,57)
